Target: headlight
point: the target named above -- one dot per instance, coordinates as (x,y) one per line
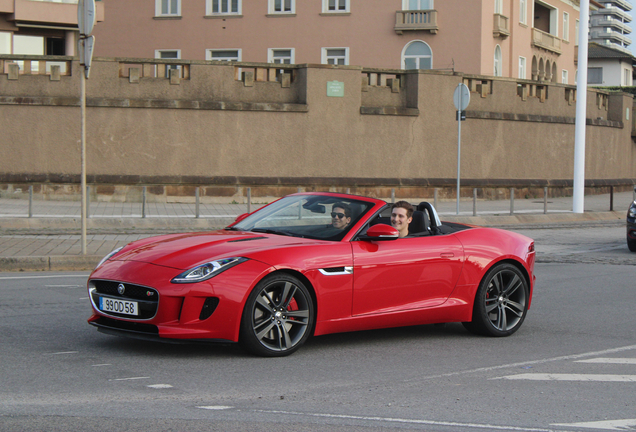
(632,210)
(207,270)
(107,257)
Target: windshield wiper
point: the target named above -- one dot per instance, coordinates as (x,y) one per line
(271,231)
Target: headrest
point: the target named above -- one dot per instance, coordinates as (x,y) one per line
(419,224)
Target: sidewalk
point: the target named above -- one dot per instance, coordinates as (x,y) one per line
(51,239)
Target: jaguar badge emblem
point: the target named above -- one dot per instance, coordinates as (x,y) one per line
(121,289)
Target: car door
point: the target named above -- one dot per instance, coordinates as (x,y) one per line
(404,274)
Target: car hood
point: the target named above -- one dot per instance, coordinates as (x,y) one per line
(183,251)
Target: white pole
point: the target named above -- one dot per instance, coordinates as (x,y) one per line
(83,180)
(581,104)
(459,142)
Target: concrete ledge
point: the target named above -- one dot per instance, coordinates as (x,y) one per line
(116,224)
(52,263)
(537,219)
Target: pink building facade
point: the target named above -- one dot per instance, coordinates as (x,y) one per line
(41,27)
(527,39)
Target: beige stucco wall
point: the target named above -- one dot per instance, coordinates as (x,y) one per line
(298,132)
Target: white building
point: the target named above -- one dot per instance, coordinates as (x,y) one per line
(607,66)
(609,26)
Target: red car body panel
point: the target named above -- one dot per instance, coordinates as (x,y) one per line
(408,281)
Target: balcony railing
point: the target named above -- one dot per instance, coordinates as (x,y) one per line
(541,39)
(616,11)
(500,27)
(416,20)
(603,35)
(605,22)
(623,3)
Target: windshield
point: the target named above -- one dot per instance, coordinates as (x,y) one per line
(307,216)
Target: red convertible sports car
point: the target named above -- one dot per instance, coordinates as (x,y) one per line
(312,264)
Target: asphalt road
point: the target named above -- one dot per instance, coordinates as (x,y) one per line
(571,367)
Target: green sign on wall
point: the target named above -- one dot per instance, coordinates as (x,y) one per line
(335,89)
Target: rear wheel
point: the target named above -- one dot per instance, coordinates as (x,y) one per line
(278,318)
(501,302)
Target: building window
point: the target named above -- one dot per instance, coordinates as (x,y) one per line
(523,11)
(576,32)
(282,6)
(595,75)
(498,63)
(499,7)
(566,26)
(223,54)
(335,56)
(167,7)
(335,6)
(564,76)
(169,54)
(281,55)
(627,77)
(223,7)
(522,67)
(417,55)
(417,4)
(5,43)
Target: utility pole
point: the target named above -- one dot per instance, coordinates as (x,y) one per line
(85,22)
(578,193)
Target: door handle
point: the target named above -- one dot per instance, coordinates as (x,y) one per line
(447,254)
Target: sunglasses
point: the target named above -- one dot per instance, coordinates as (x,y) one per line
(338,215)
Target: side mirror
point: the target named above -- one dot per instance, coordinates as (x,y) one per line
(381,232)
(241,217)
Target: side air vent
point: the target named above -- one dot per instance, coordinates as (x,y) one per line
(209,306)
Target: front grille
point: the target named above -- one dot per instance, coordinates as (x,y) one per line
(136,292)
(147,298)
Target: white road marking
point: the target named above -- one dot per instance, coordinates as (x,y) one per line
(527,363)
(407,421)
(159,386)
(609,360)
(215,407)
(570,377)
(618,425)
(103,364)
(64,352)
(43,277)
(128,379)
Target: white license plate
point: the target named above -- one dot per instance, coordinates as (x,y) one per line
(118,306)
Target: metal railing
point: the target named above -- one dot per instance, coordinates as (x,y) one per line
(138,205)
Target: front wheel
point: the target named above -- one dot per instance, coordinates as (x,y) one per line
(278,318)
(501,302)
(631,244)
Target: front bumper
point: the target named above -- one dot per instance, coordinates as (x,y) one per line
(210,310)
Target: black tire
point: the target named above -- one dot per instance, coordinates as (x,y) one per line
(278,318)
(631,244)
(501,302)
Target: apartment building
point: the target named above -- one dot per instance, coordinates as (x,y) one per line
(527,39)
(40,27)
(609,26)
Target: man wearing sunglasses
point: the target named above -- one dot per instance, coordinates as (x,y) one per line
(340,215)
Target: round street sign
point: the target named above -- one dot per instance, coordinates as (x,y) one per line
(461,97)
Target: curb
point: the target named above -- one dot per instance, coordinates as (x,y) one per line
(49,263)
